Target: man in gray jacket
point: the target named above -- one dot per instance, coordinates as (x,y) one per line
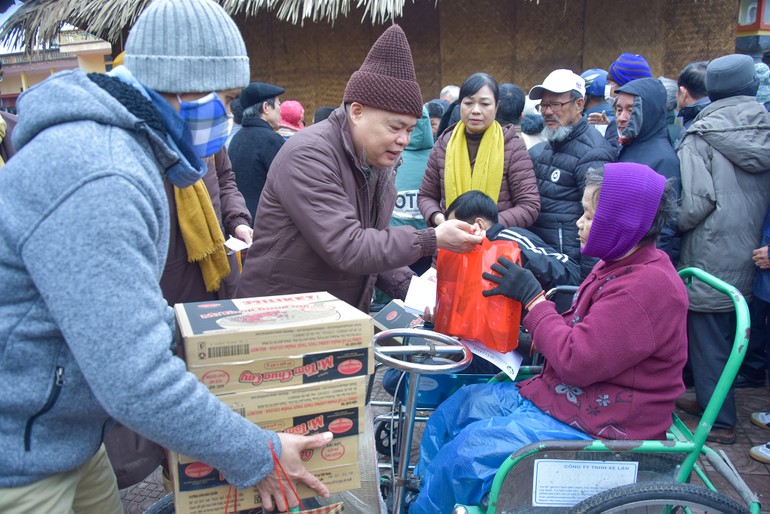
(725,164)
(85,334)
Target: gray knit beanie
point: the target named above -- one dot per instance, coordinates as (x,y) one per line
(187,46)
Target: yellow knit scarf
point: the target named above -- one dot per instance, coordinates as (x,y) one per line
(201,233)
(487,173)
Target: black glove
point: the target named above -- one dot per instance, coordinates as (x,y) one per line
(513,281)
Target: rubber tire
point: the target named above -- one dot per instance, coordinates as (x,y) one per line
(619,499)
(163,506)
(384,438)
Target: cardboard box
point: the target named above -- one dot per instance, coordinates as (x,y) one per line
(343,423)
(396,315)
(271,326)
(212,499)
(286,371)
(341,466)
(269,405)
(201,489)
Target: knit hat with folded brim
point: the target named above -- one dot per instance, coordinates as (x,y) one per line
(386,80)
(187,46)
(628,67)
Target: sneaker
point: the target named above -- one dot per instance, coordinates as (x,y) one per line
(761,419)
(761,453)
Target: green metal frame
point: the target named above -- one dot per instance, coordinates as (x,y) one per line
(680,439)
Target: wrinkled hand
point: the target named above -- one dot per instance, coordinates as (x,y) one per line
(291,447)
(761,258)
(245,233)
(513,281)
(457,236)
(598,118)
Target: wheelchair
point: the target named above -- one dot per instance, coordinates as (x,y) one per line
(536,478)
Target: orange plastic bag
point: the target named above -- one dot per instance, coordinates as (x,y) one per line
(461,309)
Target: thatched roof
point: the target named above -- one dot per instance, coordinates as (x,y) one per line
(39,21)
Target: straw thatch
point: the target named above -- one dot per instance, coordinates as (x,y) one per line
(518,41)
(38,22)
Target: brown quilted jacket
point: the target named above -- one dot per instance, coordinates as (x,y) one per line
(519,200)
(313,230)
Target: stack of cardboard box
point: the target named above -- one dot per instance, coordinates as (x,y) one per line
(295,363)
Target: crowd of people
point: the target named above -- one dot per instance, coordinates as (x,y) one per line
(124,186)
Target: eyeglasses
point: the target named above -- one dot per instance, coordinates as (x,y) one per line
(555,106)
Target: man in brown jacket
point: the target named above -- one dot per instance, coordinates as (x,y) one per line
(323,219)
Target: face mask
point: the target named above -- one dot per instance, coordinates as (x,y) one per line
(208,121)
(607,94)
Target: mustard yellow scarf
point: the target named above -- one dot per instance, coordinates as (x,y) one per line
(202,235)
(487,173)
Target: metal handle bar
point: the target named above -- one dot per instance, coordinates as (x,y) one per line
(447,346)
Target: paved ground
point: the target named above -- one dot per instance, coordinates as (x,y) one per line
(138,498)
(755,474)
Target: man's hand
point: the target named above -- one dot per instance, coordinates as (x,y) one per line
(245,233)
(438,219)
(514,282)
(598,118)
(457,236)
(761,258)
(292,445)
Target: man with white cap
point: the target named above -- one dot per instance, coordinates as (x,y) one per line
(725,168)
(573,147)
(86,334)
(323,219)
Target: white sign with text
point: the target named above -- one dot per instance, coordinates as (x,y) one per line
(564,483)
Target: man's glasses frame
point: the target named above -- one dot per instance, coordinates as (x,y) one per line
(555,106)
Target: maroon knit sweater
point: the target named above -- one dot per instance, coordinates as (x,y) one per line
(614,360)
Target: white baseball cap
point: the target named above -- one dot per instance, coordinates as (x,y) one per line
(559,81)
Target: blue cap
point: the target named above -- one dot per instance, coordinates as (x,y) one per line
(596,80)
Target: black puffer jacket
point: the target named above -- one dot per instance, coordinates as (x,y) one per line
(560,170)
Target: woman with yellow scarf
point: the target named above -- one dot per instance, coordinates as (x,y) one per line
(478,154)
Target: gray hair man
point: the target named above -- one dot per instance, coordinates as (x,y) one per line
(573,147)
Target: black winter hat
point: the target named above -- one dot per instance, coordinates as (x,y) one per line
(257,92)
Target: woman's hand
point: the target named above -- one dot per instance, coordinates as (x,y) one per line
(514,282)
(291,447)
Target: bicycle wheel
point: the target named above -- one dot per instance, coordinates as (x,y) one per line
(655,497)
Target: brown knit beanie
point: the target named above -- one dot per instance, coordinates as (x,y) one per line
(386,79)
